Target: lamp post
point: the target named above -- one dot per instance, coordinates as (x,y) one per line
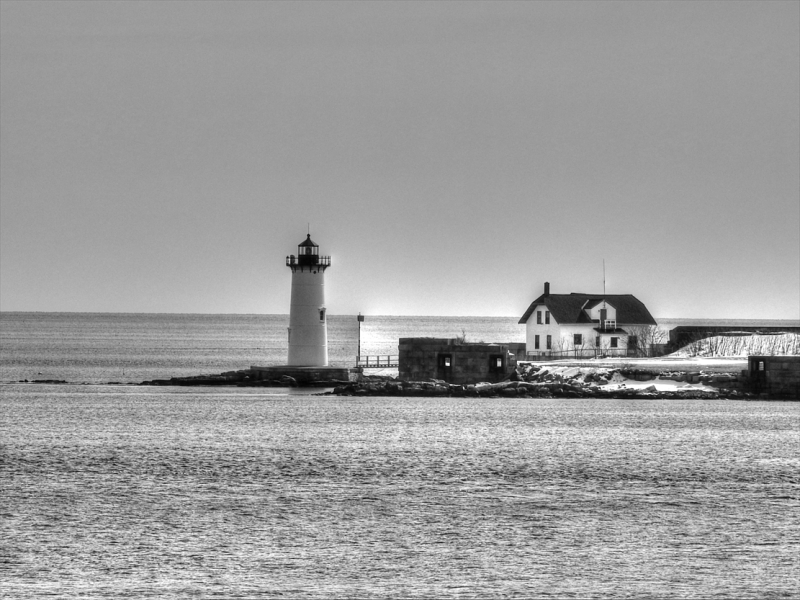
(360,320)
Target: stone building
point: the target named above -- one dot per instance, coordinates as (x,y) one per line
(449,360)
(776,376)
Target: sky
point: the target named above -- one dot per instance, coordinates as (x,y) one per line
(450,157)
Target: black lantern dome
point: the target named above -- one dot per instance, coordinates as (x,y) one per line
(308,255)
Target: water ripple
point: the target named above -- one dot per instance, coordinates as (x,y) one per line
(113,492)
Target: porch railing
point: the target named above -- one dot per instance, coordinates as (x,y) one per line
(635,352)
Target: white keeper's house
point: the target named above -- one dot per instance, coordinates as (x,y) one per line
(586,325)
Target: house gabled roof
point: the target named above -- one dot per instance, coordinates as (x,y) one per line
(569,308)
(592,302)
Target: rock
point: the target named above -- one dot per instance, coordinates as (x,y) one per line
(394,388)
(484,389)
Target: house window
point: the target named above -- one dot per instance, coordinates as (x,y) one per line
(547,317)
(549,342)
(536,342)
(577,340)
(597,341)
(633,341)
(538,317)
(614,342)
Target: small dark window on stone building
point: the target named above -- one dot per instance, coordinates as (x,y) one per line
(577,339)
(614,342)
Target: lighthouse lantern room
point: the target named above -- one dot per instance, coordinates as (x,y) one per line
(308,323)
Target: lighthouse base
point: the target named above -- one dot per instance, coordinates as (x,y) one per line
(305,375)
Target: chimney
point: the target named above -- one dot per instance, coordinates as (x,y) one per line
(546,288)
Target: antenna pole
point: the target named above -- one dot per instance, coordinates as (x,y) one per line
(604,282)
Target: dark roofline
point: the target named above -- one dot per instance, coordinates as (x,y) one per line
(567,308)
(308,242)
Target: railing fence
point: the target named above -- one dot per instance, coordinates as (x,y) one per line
(384,361)
(636,352)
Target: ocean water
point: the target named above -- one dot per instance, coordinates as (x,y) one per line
(117,491)
(127,492)
(129,348)
(105,347)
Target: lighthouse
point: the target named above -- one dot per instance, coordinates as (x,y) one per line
(308,323)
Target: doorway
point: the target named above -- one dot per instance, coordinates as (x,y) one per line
(444,367)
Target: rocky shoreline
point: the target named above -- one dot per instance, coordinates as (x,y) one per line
(523,389)
(244,378)
(567,382)
(529,380)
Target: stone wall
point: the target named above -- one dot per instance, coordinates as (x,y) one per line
(775,376)
(420,359)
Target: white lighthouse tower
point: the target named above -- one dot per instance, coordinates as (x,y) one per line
(308,323)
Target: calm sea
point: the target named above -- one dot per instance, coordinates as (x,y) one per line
(129,348)
(113,491)
(103,347)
